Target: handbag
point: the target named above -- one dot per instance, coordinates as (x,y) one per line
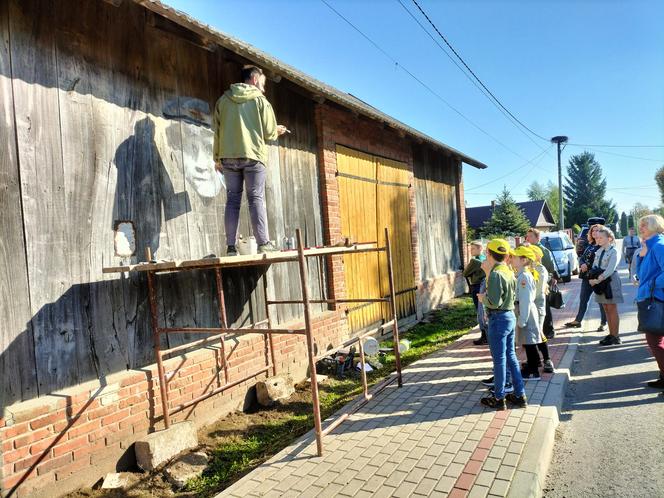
(555,297)
(651,314)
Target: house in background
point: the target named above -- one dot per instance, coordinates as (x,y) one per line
(537,212)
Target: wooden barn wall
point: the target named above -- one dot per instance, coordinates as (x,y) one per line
(92,132)
(435,195)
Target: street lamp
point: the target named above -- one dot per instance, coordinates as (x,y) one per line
(561,212)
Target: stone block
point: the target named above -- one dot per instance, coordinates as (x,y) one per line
(159,447)
(119,480)
(275,388)
(185,468)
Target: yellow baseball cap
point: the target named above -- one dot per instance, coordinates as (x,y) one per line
(500,246)
(537,250)
(524,252)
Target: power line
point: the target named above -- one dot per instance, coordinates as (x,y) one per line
(474,75)
(623,155)
(618,146)
(518,168)
(422,83)
(465,73)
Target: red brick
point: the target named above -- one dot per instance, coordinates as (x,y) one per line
(42,446)
(102,411)
(84,428)
(72,468)
(465,481)
(14,430)
(84,452)
(115,417)
(26,463)
(31,437)
(16,455)
(119,436)
(480,454)
(68,446)
(53,463)
(47,420)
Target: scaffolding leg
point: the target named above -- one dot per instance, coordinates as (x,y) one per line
(393,307)
(223,320)
(163,388)
(310,341)
(269,338)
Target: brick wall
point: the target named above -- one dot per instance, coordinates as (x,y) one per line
(71,438)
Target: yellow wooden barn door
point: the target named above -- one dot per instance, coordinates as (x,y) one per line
(393,212)
(357,201)
(373,194)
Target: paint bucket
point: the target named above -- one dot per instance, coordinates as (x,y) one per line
(370,346)
(404,345)
(247,246)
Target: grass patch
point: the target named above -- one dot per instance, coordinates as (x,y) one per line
(239,454)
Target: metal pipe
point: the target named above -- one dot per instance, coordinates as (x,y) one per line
(217,330)
(393,306)
(269,323)
(357,405)
(163,389)
(310,342)
(332,301)
(218,390)
(223,321)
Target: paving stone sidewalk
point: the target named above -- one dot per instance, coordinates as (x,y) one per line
(431,437)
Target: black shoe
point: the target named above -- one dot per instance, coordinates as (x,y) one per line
(548,367)
(492,402)
(488,382)
(657,384)
(530,375)
(610,340)
(573,325)
(231,251)
(480,342)
(509,388)
(518,401)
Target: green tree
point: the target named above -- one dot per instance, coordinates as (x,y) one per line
(585,191)
(507,218)
(624,228)
(659,178)
(548,193)
(638,211)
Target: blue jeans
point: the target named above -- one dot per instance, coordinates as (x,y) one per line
(502,327)
(237,173)
(584,297)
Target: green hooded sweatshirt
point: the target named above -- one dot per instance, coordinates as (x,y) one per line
(243,120)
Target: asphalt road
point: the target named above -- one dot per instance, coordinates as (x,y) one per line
(610,442)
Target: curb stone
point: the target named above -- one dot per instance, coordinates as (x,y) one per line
(530,475)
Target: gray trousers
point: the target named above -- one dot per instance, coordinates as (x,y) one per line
(237,173)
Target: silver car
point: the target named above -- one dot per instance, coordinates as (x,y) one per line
(563,252)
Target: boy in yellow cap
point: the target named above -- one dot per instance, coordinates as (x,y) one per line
(499,303)
(528,330)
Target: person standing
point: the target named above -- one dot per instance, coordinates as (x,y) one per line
(606,284)
(533,236)
(243,122)
(475,275)
(650,271)
(585,264)
(499,303)
(631,244)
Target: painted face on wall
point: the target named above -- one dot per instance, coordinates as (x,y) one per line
(190,132)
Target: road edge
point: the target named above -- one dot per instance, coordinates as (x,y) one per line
(531,471)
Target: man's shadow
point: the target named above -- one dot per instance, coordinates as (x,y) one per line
(144,188)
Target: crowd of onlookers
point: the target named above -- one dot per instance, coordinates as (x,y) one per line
(512,290)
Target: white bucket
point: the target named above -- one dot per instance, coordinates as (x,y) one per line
(247,246)
(404,345)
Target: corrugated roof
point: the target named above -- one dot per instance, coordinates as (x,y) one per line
(278,67)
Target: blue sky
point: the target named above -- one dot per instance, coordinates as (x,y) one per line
(592,70)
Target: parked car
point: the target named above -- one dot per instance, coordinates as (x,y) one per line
(582,240)
(562,248)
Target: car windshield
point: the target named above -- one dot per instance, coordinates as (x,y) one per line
(553,244)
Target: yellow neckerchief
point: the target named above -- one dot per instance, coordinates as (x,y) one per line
(502,268)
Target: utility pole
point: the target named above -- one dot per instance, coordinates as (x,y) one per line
(561,209)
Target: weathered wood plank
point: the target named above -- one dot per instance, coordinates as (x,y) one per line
(57,339)
(18,377)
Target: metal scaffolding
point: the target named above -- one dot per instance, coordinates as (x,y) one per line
(300,255)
